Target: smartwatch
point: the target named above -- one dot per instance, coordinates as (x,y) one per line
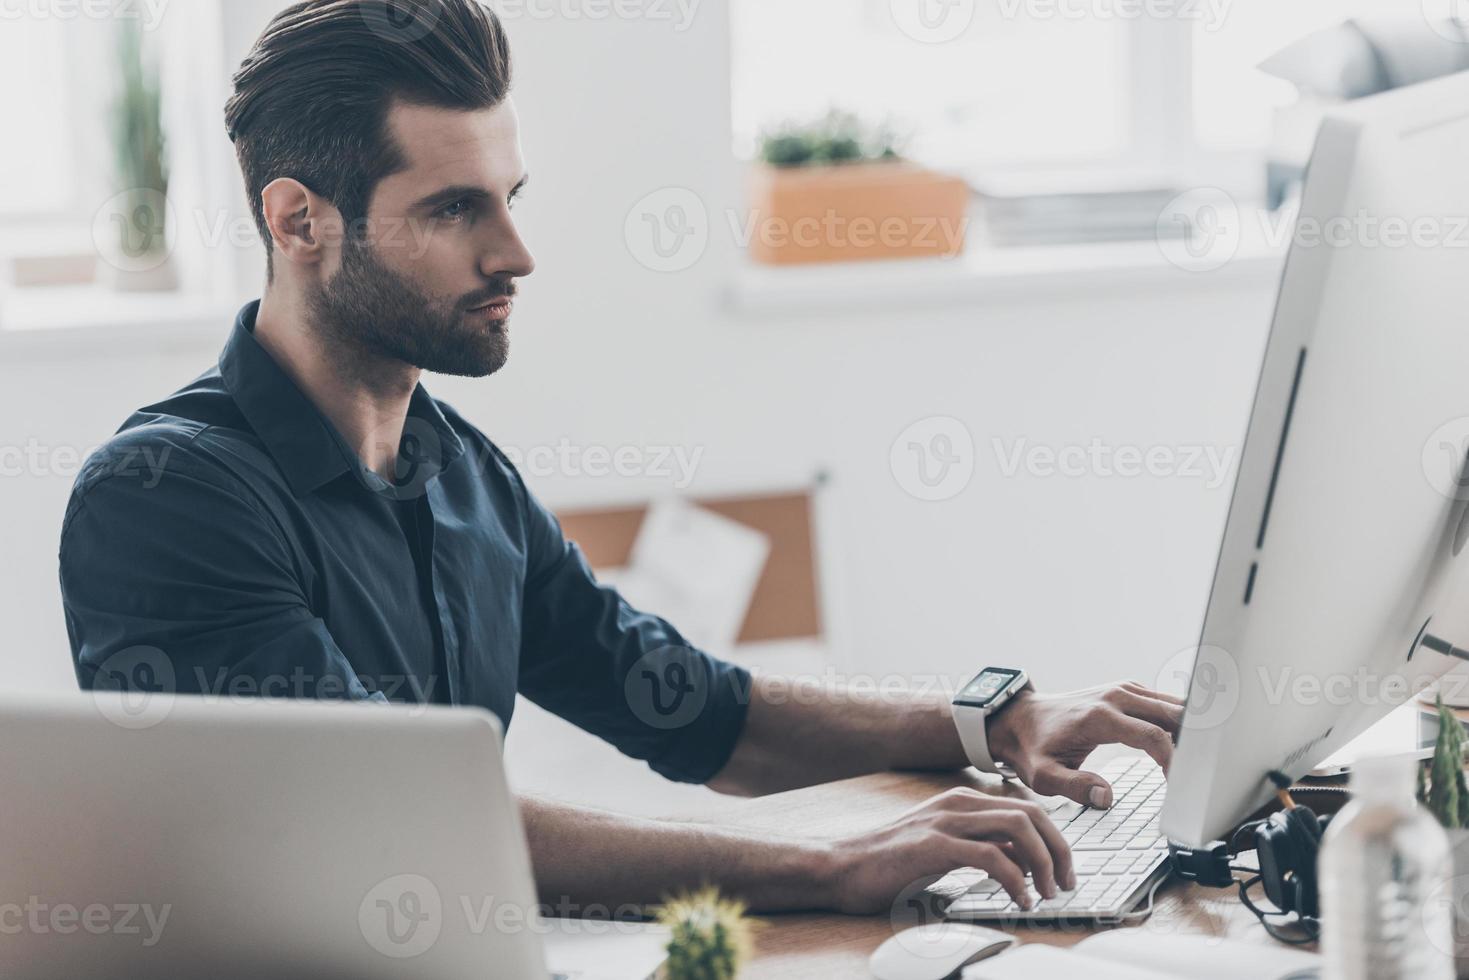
(973,706)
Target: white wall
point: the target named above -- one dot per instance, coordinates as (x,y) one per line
(1080,579)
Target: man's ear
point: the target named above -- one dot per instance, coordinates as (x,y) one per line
(304,227)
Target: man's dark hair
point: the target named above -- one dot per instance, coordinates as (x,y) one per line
(311,98)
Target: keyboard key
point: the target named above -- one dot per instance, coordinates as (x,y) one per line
(1066,812)
(1097,845)
(982,903)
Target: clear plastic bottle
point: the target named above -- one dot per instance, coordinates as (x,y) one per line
(1384,867)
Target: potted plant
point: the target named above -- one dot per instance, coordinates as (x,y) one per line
(1443,790)
(835,189)
(133,228)
(709,936)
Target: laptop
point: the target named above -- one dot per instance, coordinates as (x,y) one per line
(190,836)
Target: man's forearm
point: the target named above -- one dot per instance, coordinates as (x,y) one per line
(800,734)
(589,862)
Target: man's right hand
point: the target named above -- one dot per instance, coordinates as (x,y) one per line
(1004,836)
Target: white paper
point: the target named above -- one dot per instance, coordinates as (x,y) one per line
(696,569)
(1036,962)
(1141,954)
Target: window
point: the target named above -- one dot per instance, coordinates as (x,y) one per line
(972,99)
(58,62)
(1155,85)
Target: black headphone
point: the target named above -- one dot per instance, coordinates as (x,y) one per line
(1287,844)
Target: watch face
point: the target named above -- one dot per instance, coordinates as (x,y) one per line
(990,682)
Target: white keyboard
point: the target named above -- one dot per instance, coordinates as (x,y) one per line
(1117,854)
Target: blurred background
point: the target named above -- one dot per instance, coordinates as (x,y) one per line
(1004,432)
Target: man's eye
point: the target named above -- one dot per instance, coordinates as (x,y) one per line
(456,211)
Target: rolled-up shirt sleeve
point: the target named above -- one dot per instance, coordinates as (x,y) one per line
(626,676)
(182,583)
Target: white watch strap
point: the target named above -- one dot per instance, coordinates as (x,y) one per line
(970,721)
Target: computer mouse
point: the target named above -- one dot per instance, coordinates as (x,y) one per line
(936,951)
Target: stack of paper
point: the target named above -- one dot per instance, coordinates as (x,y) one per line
(1067,209)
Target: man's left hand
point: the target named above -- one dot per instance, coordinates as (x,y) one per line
(1046,737)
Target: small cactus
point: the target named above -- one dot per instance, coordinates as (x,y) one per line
(711,937)
(1444,791)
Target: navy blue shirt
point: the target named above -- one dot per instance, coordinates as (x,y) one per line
(227,541)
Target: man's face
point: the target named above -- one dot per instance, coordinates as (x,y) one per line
(430,282)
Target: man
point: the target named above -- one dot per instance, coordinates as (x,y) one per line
(313,524)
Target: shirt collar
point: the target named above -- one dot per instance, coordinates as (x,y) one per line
(304,443)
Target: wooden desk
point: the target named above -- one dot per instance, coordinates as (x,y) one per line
(808,946)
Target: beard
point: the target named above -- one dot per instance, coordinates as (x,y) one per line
(369,309)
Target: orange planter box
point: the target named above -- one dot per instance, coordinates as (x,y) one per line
(842,212)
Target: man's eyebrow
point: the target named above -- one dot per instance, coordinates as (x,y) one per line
(459,192)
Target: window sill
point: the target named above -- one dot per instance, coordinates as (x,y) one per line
(990,274)
(93,320)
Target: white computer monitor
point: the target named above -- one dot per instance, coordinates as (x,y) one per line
(1341,551)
